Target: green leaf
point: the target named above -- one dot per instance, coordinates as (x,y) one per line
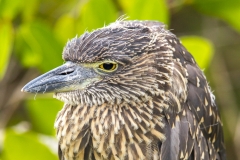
(227,10)
(146,10)
(10,8)
(95,13)
(65,28)
(25,146)
(6,41)
(201,49)
(42,113)
(38,46)
(29,10)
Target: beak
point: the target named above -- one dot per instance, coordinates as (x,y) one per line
(68,77)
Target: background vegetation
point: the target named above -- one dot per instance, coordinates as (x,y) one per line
(33,34)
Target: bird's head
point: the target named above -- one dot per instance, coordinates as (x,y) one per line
(125,62)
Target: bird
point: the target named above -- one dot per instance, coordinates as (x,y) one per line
(132,91)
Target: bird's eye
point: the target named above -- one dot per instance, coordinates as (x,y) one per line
(108,66)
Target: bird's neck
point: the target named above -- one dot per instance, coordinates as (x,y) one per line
(106,124)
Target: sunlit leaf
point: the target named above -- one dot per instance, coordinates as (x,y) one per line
(31,58)
(200,48)
(40,47)
(30,9)
(25,146)
(228,10)
(43,112)
(10,8)
(146,10)
(95,13)
(65,28)
(6,40)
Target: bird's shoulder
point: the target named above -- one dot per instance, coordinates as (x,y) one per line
(194,128)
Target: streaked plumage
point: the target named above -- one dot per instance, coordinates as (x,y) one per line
(156,105)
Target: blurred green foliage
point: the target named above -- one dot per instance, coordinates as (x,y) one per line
(226,10)
(6,39)
(42,116)
(201,48)
(25,146)
(36,43)
(144,10)
(35,32)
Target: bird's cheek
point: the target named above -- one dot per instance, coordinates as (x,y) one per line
(82,84)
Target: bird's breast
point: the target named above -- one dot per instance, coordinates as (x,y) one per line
(108,132)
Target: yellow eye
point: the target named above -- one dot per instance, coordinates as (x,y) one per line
(108,66)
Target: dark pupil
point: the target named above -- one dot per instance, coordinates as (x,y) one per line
(108,66)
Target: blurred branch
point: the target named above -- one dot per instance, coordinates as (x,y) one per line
(10,90)
(221,79)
